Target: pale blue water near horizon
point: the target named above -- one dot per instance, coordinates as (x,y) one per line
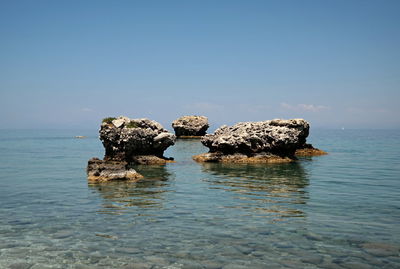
(341,210)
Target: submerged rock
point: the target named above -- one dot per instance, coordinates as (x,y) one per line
(190,126)
(256,142)
(128,142)
(380,249)
(102,171)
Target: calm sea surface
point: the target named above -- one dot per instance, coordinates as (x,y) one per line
(336,211)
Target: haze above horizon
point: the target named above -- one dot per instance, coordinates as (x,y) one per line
(68,64)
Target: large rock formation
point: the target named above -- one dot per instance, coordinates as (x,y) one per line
(126,142)
(190,126)
(257,142)
(281,137)
(140,141)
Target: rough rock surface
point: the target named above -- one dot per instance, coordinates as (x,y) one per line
(126,142)
(190,126)
(265,141)
(276,136)
(102,171)
(124,139)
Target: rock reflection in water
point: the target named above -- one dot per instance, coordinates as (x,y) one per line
(277,191)
(148,193)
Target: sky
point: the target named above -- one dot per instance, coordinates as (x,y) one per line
(68,64)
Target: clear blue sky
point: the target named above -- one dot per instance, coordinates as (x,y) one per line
(68,64)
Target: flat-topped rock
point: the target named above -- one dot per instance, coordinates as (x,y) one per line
(103,171)
(256,142)
(190,126)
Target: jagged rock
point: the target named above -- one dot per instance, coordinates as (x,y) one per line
(124,139)
(127,142)
(308,150)
(102,171)
(265,141)
(190,126)
(276,136)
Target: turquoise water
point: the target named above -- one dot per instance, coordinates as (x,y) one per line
(336,211)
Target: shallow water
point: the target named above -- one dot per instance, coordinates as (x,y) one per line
(336,211)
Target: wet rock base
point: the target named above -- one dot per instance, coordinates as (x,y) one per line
(242,158)
(307,150)
(104,171)
(190,137)
(151,159)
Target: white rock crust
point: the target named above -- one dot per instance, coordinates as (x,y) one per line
(190,126)
(278,136)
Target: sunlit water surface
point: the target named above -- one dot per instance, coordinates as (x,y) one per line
(336,211)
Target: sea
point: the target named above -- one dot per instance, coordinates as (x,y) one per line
(341,210)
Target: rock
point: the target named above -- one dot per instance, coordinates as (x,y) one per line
(43,266)
(245,250)
(381,249)
(160,261)
(279,136)
(63,234)
(128,142)
(21,265)
(255,142)
(312,258)
(102,171)
(80,266)
(124,139)
(329,265)
(240,158)
(308,150)
(120,121)
(210,264)
(138,265)
(355,265)
(186,263)
(313,236)
(190,126)
(150,159)
(128,250)
(291,263)
(235,266)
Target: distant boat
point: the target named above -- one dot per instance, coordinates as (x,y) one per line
(80,136)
